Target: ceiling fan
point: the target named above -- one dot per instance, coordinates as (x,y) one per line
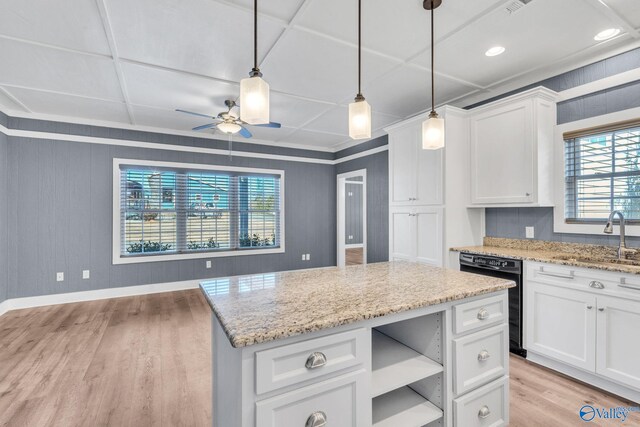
(228,121)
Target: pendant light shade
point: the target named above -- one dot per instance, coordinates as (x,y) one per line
(433,127)
(254,91)
(359,110)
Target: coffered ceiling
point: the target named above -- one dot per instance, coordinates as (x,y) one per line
(131,63)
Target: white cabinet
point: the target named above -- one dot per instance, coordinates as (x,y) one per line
(417,177)
(561,323)
(416,234)
(512,150)
(618,349)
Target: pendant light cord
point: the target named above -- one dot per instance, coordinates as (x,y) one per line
(433,91)
(359,47)
(255,72)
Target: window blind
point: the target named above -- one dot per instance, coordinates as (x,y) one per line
(164,211)
(602,173)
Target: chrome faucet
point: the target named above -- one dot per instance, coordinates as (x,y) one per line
(623,251)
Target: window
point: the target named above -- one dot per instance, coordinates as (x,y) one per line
(602,173)
(173,211)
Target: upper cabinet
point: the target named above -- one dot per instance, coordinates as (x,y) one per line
(417,173)
(511,149)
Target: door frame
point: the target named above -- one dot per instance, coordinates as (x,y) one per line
(341,181)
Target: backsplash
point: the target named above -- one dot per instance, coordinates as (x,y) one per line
(511,222)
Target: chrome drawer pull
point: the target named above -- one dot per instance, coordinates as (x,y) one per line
(317,419)
(484,412)
(316,360)
(596,285)
(483,314)
(558,275)
(634,287)
(589,307)
(483,355)
(601,309)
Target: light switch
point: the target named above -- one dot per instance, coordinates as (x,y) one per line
(304,257)
(308,257)
(529,232)
(208,264)
(86,274)
(60,277)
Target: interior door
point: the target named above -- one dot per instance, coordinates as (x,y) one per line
(618,350)
(561,324)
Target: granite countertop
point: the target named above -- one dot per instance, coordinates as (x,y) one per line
(266,307)
(574,254)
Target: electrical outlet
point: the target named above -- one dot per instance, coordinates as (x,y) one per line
(529,232)
(208,264)
(86,274)
(59,277)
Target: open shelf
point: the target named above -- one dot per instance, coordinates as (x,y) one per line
(395,365)
(403,407)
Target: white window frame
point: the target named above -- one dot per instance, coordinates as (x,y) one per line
(559,223)
(119,259)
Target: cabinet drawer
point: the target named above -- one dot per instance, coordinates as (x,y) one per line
(339,401)
(480,358)
(290,364)
(473,315)
(487,406)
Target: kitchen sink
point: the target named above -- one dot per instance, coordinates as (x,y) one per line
(596,260)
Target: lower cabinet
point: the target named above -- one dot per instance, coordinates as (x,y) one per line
(484,407)
(416,234)
(618,349)
(338,402)
(560,323)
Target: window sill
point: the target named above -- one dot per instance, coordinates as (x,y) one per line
(196,255)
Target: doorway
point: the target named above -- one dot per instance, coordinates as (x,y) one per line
(352,218)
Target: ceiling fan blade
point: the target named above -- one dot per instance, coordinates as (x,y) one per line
(270,125)
(207,126)
(245,132)
(195,114)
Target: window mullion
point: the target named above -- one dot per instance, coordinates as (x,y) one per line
(181,204)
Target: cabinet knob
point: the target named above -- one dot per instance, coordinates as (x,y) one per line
(596,285)
(589,307)
(483,355)
(601,309)
(316,360)
(483,314)
(317,419)
(484,412)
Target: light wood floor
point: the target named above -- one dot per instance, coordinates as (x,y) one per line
(354,256)
(145,360)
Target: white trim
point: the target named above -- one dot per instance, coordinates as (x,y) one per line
(341,181)
(116,238)
(559,224)
(354,246)
(98,294)
(362,154)
(599,85)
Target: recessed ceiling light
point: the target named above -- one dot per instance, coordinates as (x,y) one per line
(495,51)
(607,34)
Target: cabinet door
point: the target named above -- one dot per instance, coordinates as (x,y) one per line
(428,236)
(429,175)
(402,229)
(618,349)
(402,164)
(502,155)
(561,323)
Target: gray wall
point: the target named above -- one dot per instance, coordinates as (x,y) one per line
(3,217)
(353,214)
(510,222)
(60,217)
(377,166)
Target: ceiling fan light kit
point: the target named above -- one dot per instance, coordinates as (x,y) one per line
(229,128)
(254,91)
(433,127)
(359,110)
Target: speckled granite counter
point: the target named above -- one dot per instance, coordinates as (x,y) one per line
(574,254)
(265,307)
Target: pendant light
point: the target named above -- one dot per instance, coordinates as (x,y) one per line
(433,127)
(359,110)
(254,92)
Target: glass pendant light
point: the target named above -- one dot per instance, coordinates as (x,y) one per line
(359,110)
(254,92)
(433,127)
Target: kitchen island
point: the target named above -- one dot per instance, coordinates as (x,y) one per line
(386,344)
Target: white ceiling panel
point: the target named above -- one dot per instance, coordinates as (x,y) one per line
(167,119)
(39,67)
(74,24)
(281,9)
(407,90)
(71,106)
(629,10)
(199,36)
(305,137)
(294,112)
(409,32)
(266,134)
(8,104)
(308,65)
(337,121)
(532,36)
